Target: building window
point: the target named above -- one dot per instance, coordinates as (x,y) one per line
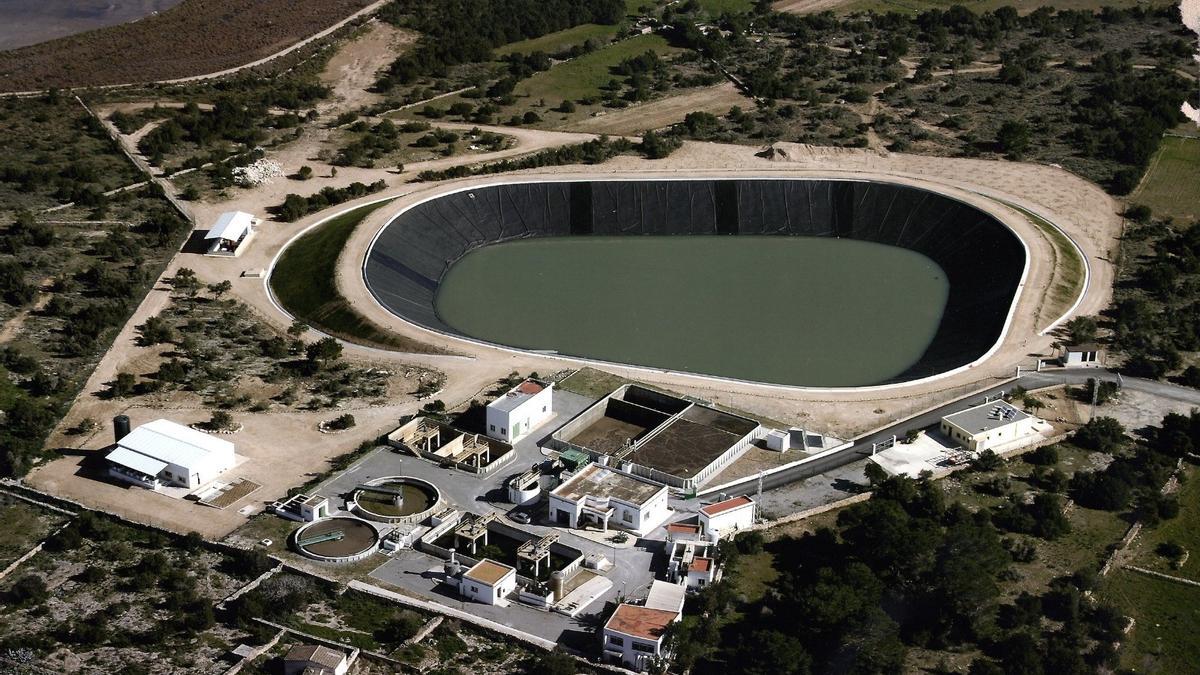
(627,517)
(543,408)
(474,589)
(493,427)
(616,641)
(503,431)
(643,647)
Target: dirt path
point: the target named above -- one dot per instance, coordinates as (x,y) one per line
(13,326)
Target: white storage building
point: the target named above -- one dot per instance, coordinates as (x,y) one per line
(488,582)
(524,408)
(726,517)
(163,452)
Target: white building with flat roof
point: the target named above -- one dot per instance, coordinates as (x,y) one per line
(521,410)
(163,452)
(634,634)
(988,426)
(603,497)
(724,518)
(488,582)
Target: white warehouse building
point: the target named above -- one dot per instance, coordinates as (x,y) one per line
(988,426)
(163,452)
(524,408)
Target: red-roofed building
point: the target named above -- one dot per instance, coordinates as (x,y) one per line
(727,517)
(634,634)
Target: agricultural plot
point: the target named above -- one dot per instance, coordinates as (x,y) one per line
(1169,187)
(193,38)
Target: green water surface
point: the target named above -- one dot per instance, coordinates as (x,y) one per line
(788,310)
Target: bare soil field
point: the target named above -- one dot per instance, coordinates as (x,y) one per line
(635,120)
(197,37)
(352,69)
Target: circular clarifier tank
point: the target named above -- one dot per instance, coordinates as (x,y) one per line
(339,540)
(396,499)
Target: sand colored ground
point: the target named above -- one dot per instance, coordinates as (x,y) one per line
(352,70)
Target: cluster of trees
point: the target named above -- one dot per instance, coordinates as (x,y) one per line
(653,146)
(86,307)
(1106,123)
(295,207)
(155,567)
(462,31)
(1156,312)
(240,114)
(1134,479)
(589,152)
(374,143)
(907,569)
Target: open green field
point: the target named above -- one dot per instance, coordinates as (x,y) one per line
(583,77)
(719,7)
(304,283)
(1183,529)
(559,40)
(1167,615)
(1172,185)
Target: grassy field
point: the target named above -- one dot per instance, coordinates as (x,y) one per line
(1184,530)
(754,574)
(719,7)
(21,527)
(1069,270)
(1167,617)
(304,283)
(559,40)
(1169,188)
(583,77)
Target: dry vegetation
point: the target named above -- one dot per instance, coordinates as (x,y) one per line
(195,38)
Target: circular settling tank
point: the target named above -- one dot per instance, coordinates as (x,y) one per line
(339,539)
(396,499)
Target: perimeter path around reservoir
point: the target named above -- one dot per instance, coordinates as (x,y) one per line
(1081,209)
